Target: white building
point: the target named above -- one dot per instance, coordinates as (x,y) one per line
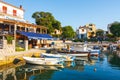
(82,33)
(86,31)
(8,11)
(12,23)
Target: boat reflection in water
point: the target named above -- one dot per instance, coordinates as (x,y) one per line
(81,62)
(106,65)
(23,72)
(27,72)
(114,59)
(8,72)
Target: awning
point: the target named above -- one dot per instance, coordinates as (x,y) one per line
(32,35)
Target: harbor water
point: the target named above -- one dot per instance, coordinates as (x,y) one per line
(104,67)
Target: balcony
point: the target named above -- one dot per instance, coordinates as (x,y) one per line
(10,14)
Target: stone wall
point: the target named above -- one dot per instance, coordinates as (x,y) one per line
(7,59)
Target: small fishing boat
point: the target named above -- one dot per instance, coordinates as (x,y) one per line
(93,52)
(43,61)
(79,54)
(84,51)
(75,53)
(60,56)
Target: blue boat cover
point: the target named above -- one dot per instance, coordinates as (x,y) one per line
(32,35)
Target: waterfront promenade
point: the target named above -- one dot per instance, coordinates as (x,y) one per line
(9,57)
(7,54)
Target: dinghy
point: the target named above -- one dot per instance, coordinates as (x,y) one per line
(43,61)
(61,56)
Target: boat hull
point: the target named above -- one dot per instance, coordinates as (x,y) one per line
(41,61)
(79,55)
(60,56)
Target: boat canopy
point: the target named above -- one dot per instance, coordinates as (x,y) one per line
(32,35)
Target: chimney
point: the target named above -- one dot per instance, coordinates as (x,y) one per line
(21,7)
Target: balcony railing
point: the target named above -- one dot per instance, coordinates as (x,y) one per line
(10,13)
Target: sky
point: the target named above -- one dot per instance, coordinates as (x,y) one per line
(74,12)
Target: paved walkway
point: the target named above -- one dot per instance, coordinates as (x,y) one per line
(25,52)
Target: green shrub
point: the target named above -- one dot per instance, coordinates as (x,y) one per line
(9,39)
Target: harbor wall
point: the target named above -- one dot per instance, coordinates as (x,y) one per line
(7,59)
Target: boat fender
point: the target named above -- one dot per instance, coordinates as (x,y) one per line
(16,60)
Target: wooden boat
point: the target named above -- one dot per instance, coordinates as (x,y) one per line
(76,53)
(79,54)
(43,61)
(60,56)
(86,51)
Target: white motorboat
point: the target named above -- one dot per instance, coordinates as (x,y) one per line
(43,61)
(93,52)
(84,51)
(80,54)
(61,56)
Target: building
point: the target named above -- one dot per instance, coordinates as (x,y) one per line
(56,34)
(86,31)
(25,34)
(108,28)
(82,32)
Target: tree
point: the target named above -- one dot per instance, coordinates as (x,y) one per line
(56,25)
(110,35)
(46,19)
(99,32)
(68,32)
(115,29)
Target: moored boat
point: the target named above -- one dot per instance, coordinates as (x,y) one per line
(84,54)
(43,61)
(60,56)
(76,53)
(93,52)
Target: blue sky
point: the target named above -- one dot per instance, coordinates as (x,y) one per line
(74,12)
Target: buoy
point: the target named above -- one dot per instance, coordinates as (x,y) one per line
(95,69)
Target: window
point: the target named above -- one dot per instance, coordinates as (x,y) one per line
(55,32)
(90,29)
(14,13)
(4,8)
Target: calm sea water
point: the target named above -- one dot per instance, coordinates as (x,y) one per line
(105,67)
